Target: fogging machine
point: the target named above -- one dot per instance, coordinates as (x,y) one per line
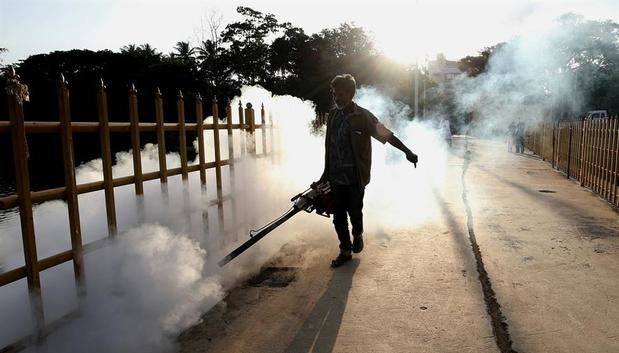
(317,198)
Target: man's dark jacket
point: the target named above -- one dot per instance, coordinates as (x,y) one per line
(363,125)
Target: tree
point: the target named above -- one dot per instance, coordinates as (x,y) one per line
(209,29)
(143,50)
(246,48)
(287,52)
(589,52)
(129,49)
(475,65)
(213,66)
(2,51)
(184,51)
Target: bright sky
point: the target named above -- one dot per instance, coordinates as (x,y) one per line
(404,30)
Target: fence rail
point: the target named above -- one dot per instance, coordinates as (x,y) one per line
(24,197)
(585,150)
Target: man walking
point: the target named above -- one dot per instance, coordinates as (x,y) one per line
(348,159)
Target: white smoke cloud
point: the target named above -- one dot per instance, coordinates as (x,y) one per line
(546,71)
(400,195)
(159,275)
(142,289)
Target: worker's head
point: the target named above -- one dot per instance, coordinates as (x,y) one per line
(343,88)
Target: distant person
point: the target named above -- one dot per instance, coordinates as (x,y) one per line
(511,137)
(348,159)
(445,129)
(519,137)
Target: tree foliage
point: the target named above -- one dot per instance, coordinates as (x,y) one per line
(590,53)
(474,65)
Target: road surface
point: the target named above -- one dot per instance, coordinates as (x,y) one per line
(518,259)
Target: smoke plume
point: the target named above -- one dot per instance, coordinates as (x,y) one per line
(550,72)
(159,275)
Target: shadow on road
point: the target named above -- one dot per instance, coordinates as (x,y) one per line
(571,209)
(456,230)
(319,331)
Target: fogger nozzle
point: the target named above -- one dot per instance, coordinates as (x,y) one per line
(317,198)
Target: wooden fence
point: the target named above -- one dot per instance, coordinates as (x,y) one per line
(18,128)
(586,150)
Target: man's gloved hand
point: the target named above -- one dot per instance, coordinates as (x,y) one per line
(411,157)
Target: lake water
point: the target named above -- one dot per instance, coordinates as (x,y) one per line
(6,189)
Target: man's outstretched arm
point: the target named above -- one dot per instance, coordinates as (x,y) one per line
(382,134)
(410,156)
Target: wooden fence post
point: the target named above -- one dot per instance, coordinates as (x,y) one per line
(585,153)
(106,157)
(555,149)
(217,147)
(601,152)
(161,149)
(17,93)
(251,127)
(230,136)
(218,181)
(593,161)
(182,134)
(600,158)
(582,152)
(590,135)
(64,112)
(135,140)
(592,154)
(615,182)
(540,141)
(544,138)
(604,166)
(608,159)
(614,158)
(231,161)
(596,156)
(200,132)
(574,148)
(271,137)
(569,151)
(242,129)
(264,129)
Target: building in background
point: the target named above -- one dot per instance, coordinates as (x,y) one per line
(443,71)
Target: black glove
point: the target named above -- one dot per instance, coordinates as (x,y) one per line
(411,157)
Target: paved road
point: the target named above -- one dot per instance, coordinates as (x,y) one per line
(502,267)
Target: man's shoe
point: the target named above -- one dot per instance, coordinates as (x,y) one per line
(357,244)
(340,260)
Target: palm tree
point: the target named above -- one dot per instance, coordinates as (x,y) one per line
(2,51)
(184,50)
(147,50)
(208,59)
(129,49)
(207,50)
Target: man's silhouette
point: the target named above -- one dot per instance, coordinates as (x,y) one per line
(348,160)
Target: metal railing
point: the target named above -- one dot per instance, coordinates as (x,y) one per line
(585,150)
